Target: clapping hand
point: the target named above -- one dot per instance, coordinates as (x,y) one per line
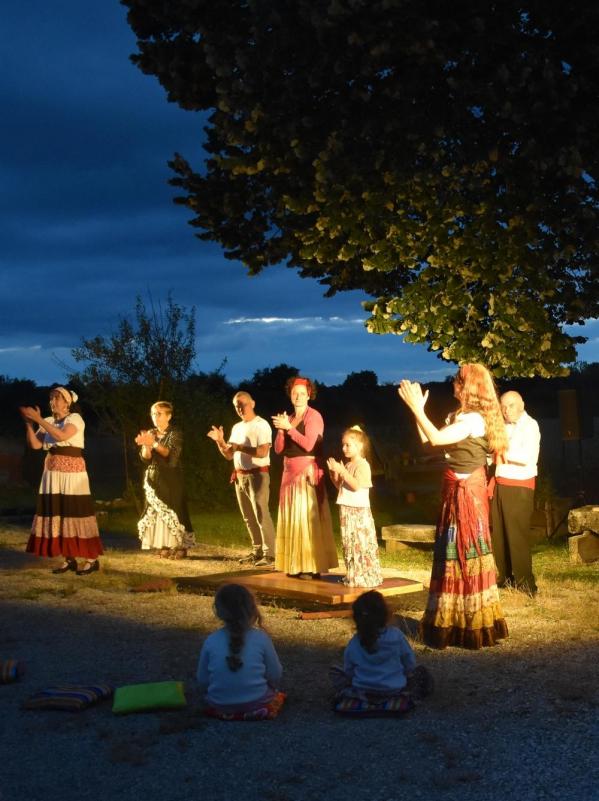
(281,421)
(30,414)
(412,395)
(217,434)
(334,466)
(146,438)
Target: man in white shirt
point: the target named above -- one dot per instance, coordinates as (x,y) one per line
(248,447)
(513,497)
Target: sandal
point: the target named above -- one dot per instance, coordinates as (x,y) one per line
(179,553)
(164,553)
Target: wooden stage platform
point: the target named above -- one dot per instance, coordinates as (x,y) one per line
(328,590)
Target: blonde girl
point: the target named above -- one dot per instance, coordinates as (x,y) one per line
(358,534)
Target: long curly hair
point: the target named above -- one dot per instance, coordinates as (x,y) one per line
(236,607)
(476,392)
(371,615)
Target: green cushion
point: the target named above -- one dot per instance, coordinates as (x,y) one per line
(153,695)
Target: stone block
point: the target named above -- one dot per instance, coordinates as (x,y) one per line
(406,535)
(584,548)
(585,518)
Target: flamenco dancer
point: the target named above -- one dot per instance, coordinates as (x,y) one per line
(165,524)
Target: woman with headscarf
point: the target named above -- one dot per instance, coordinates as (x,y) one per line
(65,522)
(304,546)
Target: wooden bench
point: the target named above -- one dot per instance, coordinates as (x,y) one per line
(583,526)
(407,535)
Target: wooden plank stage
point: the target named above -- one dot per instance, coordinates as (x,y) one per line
(329,589)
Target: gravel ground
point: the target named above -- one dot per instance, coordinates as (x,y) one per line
(517,720)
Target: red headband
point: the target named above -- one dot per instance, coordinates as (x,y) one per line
(303,381)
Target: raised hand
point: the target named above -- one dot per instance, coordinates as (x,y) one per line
(412,395)
(217,434)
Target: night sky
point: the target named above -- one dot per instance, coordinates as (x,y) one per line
(88,221)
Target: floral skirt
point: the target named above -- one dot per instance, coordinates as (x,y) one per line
(65,521)
(360,548)
(463,604)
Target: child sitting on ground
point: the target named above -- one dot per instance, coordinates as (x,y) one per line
(358,534)
(379,674)
(239,670)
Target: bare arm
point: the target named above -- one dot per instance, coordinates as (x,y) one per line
(217,435)
(341,475)
(32,415)
(33,439)
(411,395)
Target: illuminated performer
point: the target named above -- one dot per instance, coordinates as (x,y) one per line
(165,523)
(249,448)
(463,603)
(513,496)
(65,521)
(304,546)
(358,534)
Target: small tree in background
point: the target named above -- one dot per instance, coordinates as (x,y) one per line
(147,358)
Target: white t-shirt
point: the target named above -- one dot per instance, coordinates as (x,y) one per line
(252,433)
(76,441)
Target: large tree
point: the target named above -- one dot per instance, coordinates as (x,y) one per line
(440,156)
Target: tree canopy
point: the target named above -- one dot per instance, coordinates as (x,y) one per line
(442,157)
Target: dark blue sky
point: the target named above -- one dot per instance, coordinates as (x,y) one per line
(88,221)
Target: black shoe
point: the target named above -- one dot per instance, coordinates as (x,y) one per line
(250,559)
(266,561)
(70,564)
(90,567)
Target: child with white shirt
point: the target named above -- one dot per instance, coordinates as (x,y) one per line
(379,674)
(358,534)
(239,670)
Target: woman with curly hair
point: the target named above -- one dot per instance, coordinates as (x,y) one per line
(239,669)
(304,547)
(463,603)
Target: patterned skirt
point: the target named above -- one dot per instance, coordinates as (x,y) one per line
(65,521)
(305,542)
(463,604)
(360,548)
(160,525)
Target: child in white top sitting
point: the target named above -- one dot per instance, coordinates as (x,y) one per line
(358,534)
(378,662)
(239,669)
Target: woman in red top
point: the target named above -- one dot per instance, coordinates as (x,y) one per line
(304,546)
